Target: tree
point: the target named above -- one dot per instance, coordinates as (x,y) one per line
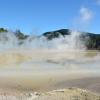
(2,30)
(20,35)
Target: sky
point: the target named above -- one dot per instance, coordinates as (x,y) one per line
(39,16)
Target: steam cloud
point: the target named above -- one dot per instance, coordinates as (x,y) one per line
(85,15)
(98,2)
(70,42)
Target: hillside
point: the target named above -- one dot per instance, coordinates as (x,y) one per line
(93,42)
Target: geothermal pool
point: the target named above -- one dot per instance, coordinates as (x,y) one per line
(40,70)
(41,65)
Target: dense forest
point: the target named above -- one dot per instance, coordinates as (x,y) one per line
(93,42)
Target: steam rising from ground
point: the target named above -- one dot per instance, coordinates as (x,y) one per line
(37,63)
(8,40)
(70,42)
(67,52)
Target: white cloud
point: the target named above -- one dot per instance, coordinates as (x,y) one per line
(85,15)
(98,2)
(83,18)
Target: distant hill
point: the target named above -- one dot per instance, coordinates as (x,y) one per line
(56,34)
(93,42)
(17,33)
